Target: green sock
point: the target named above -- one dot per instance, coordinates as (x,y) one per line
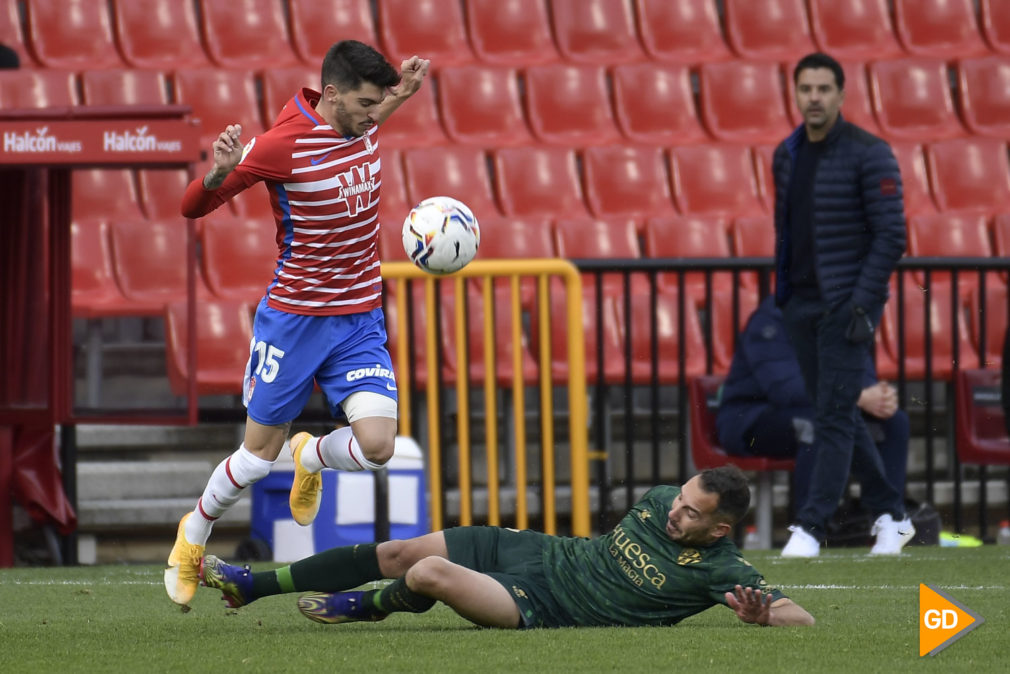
(398,597)
(333,570)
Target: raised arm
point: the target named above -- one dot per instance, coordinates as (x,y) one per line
(412,74)
(755,606)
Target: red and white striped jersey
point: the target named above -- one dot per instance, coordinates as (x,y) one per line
(324,190)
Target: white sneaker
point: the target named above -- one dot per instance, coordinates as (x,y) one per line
(891,535)
(801,544)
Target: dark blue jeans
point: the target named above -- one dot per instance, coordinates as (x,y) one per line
(832,367)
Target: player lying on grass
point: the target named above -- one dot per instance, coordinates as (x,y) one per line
(669,558)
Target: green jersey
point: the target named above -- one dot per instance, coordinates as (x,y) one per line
(637,575)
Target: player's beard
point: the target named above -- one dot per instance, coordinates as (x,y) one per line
(345,121)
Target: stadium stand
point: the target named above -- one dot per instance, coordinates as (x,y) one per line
(481,105)
(513,33)
(280,84)
(681,31)
(124,87)
(223,333)
(160,192)
(315,26)
(941,326)
(950,234)
(251,34)
(105,195)
(944,29)
(727,324)
(686,237)
(593,324)
(169,41)
(859,31)
(914,178)
(913,101)
(763,155)
(219,97)
(982,431)
(600,32)
(984,95)
(432,30)
(626,180)
(717,178)
(73,34)
(239,256)
(995,311)
(603,238)
(94,292)
(996,24)
(654,104)
(773,30)
(743,102)
(393,203)
(537,180)
(569,104)
(415,124)
(453,171)
(1001,234)
(669,337)
(753,236)
(11,34)
(970,174)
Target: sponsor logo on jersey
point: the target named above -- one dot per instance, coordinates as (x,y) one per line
(633,559)
(688,556)
(372,372)
(356,188)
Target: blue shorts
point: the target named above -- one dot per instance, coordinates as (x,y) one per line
(289,352)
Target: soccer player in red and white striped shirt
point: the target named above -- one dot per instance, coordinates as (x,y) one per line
(321,320)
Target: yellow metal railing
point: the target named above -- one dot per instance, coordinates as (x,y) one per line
(489,270)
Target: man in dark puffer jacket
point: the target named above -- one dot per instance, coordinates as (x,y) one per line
(840,230)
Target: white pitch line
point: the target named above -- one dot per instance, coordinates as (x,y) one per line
(888,587)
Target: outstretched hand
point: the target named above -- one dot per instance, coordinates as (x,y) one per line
(412,73)
(228,148)
(750,605)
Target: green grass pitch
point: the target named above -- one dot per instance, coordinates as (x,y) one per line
(118,619)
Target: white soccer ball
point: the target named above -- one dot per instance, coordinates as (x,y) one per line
(441,235)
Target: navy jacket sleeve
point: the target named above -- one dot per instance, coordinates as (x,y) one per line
(772,361)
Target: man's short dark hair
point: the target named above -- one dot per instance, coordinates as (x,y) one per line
(731,486)
(819,60)
(348,63)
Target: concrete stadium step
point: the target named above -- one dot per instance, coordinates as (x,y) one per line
(152,512)
(112,480)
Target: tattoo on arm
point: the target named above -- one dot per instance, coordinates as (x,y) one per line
(213,179)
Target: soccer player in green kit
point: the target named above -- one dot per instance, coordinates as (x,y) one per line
(668,558)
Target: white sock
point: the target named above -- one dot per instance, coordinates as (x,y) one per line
(224,488)
(339,450)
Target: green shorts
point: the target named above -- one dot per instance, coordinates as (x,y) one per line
(514,559)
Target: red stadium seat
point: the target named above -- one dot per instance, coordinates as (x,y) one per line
(669,335)
(415,123)
(970,174)
(37,89)
(160,192)
(914,179)
(596,31)
(393,203)
(996,24)
(593,322)
(281,84)
(753,236)
(93,289)
(944,29)
(223,334)
(124,87)
(773,30)
(316,26)
(854,30)
(727,323)
(514,238)
(681,31)
(452,171)
(858,105)
(73,34)
(950,234)
(714,179)
(1001,234)
(160,34)
(515,33)
(984,95)
(626,180)
(981,429)
(743,102)
(427,28)
(219,97)
(995,312)
(585,237)
(239,256)
(655,104)
(689,236)
(914,356)
(148,258)
(569,105)
(913,101)
(481,106)
(537,180)
(763,155)
(11,34)
(104,195)
(249,34)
